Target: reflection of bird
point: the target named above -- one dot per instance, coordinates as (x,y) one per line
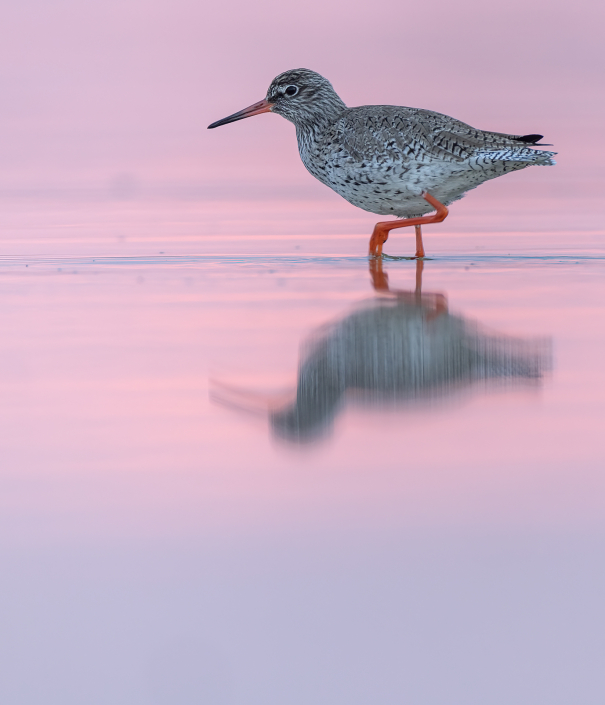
(398,348)
(390,160)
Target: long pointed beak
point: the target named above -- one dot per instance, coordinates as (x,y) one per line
(264,106)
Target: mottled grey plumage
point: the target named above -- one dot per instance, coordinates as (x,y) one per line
(382,158)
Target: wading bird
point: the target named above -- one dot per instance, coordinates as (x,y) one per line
(390,160)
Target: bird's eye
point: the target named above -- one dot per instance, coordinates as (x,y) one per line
(291,90)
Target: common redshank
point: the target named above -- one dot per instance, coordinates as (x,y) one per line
(390,160)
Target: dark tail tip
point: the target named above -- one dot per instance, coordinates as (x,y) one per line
(530,139)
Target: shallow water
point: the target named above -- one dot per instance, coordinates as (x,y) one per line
(254,468)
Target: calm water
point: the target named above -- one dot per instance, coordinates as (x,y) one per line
(243,468)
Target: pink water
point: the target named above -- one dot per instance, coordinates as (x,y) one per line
(165,538)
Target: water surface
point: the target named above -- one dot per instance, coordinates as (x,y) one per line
(256,468)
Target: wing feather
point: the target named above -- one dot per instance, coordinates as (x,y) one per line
(389,133)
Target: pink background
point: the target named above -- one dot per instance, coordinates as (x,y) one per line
(113,98)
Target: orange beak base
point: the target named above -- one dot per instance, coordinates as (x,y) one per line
(262,107)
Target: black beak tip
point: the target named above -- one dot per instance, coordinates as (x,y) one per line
(225,121)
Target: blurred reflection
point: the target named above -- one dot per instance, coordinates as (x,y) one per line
(399,348)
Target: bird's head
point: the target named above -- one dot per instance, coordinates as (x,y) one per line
(299,95)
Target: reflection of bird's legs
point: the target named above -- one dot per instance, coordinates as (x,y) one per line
(380,282)
(381,230)
(380,279)
(419,268)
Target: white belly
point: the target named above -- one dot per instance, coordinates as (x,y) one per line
(399,191)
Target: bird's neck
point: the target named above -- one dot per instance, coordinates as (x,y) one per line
(311,124)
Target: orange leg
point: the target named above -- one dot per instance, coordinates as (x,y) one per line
(381,230)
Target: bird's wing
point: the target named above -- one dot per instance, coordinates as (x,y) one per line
(394,133)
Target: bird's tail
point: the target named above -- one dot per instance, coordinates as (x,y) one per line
(521,155)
